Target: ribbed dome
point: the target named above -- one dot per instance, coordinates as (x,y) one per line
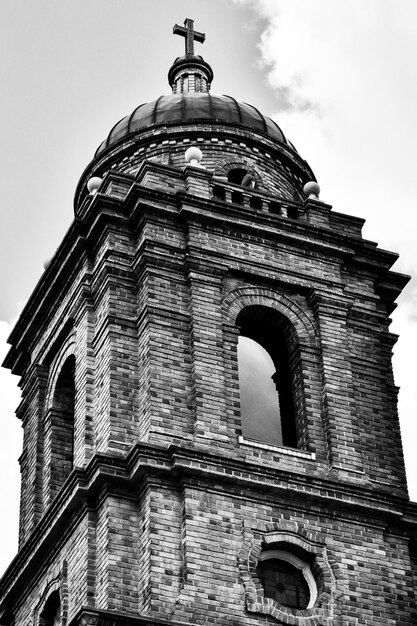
(192,107)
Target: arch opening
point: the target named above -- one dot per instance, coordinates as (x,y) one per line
(266,376)
(51,612)
(236,175)
(62,417)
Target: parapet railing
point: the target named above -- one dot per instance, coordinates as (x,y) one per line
(251,199)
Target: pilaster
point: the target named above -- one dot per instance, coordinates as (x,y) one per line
(208,371)
(30,412)
(341,420)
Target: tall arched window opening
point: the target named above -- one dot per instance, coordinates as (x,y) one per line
(62,423)
(266,376)
(51,612)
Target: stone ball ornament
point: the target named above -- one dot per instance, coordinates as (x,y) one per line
(93,184)
(312,190)
(193,156)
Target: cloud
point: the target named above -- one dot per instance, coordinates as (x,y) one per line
(345,86)
(346,96)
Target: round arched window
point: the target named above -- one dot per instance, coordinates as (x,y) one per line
(62,423)
(266,376)
(51,612)
(287,579)
(237,175)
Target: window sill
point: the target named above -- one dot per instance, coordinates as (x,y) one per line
(299,454)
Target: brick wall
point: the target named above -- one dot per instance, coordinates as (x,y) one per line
(144,293)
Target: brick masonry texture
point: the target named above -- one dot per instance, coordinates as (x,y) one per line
(166,505)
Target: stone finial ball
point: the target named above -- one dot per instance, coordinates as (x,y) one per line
(93,184)
(312,189)
(193,155)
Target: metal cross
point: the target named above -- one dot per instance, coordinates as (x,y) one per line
(190,35)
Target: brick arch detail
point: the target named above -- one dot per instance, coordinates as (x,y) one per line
(224,166)
(243,297)
(292,534)
(67,350)
(57,581)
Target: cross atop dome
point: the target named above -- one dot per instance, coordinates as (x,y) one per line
(187,31)
(190,73)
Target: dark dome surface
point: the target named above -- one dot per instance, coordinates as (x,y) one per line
(193,107)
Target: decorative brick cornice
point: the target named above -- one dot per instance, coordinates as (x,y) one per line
(123,474)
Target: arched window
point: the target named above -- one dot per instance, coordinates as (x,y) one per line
(237,175)
(51,612)
(241,176)
(62,425)
(287,579)
(266,376)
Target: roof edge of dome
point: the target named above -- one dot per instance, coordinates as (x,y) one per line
(219,109)
(119,150)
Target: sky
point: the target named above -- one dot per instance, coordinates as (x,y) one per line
(338,77)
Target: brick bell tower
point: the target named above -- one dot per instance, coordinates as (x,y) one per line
(209,411)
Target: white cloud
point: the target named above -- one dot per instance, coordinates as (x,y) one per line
(346,94)
(345,83)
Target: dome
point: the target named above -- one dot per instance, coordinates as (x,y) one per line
(193,107)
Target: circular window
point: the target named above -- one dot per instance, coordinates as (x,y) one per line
(287,579)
